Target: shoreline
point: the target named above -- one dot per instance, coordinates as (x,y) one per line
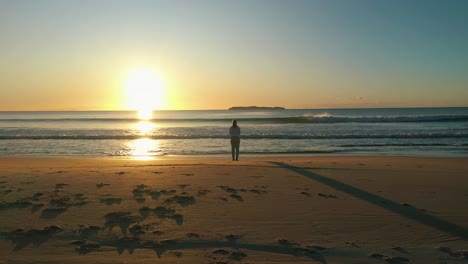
(327,209)
(242,156)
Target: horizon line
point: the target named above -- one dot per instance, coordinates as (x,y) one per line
(227,109)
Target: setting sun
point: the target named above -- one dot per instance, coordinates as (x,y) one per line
(144,92)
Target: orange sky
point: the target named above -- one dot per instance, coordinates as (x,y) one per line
(65,55)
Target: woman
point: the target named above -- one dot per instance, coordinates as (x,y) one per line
(234,132)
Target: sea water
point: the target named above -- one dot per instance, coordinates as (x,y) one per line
(408,131)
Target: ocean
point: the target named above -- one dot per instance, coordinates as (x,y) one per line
(441,132)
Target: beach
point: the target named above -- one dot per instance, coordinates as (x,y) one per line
(264,209)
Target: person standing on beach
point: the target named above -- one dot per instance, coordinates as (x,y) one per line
(234,132)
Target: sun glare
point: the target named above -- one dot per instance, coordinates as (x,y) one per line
(144,92)
(144,127)
(145,114)
(144,149)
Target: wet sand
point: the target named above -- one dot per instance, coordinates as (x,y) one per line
(212,210)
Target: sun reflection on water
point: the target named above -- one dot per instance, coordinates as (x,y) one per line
(144,148)
(144,127)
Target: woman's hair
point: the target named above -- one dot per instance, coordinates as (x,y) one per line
(234,123)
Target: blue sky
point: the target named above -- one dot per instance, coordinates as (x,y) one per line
(215,54)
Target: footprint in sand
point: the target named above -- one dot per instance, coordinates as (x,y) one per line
(111,200)
(257,191)
(37,196)
(27,182)
(36,207)
(58,172)
(192,235)
(324,195)
(140,200)
(203,192)
(67,201)
(286,242)
(223,256)
(184,200)
(168,192)
(101,185)
(233,237)
(157,233)
(388,258)
(163,213)
(137,230)
(88,231)
(177,254)
(60,186)
(227,189)
(237,197)
(400,249)
(18,204)
(5,192)
(87,247)
(50,213)
(459,253)
(22,238)
(122,219)
(183,186)
(140,191)
(129,243)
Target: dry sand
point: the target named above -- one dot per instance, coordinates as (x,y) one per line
(212,210)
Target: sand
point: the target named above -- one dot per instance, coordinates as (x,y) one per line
(212,210)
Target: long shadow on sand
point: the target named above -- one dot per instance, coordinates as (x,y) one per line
(130,244)
(406,211)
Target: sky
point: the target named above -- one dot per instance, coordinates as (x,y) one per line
(77,55)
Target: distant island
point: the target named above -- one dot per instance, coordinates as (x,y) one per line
(256,108)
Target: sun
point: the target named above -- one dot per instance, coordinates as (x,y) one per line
(144,92)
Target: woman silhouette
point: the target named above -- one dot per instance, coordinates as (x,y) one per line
(234,132)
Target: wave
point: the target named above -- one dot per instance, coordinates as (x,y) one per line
(305,119)
(254,136)
(218,152)
(327,118)
(405,145)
